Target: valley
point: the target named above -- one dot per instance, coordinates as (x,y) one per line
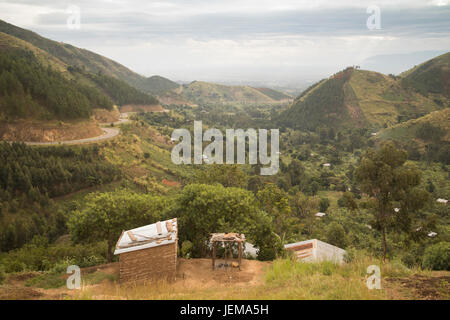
(85,153)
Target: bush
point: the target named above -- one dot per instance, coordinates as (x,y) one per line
(324,204)
(266,254)
(347,201)
(350,255)
(336,235)
(38,258)
(186,249)
(437,257)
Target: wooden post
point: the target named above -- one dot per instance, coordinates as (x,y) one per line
(214,255)
(226,253)
(240,253)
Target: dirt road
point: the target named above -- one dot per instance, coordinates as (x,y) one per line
(108,133)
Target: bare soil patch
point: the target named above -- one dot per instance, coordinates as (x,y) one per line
(434,287)
(52,131)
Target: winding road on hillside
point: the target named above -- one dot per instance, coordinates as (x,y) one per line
(108,133)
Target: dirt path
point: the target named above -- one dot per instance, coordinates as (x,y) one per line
(192,275)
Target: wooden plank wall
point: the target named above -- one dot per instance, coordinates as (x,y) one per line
(303,251)
(148,264)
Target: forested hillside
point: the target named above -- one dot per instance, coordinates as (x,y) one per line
(28,89)
(29,177)
(425,138)
(37,85)
(73,56)
(359,98)
(159,85)
(120,92)
(431,77)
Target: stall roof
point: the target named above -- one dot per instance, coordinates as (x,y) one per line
(152,235)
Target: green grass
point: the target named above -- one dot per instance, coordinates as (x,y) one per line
(52,280)
(284,279)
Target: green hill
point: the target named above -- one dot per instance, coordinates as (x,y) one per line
(357,98)
(433,126)
(425,138)
(158,85)
(37,84)
(29,89)
(204,92)
(81,58)
(274,94)
(431,77)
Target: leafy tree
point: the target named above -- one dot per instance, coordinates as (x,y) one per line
(275,202)
(296,172)
(324,204)
(348,201)
(437,256)
(205,209)
(335,234)
(314,188)
(383,175)
(226,175)
(106,215)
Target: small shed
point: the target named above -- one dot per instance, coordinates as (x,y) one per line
(227,239)
(148,252)
(315,250)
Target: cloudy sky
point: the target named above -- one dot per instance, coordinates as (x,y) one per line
(244,40)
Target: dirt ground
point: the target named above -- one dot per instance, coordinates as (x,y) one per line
(435,287)
(191,273)
(197,274)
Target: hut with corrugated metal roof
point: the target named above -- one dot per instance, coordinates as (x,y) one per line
(148,252)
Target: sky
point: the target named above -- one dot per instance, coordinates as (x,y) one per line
(239,41)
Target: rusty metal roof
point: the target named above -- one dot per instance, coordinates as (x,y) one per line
(149,236)
(237,237)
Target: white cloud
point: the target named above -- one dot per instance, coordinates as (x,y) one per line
(240,39)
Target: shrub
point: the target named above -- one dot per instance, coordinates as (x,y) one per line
(186,249)
(266,254)
(324,204)
(347,201)
(336,235)
(350,255)
(437,256)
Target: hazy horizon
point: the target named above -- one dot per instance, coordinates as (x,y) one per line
(276,42)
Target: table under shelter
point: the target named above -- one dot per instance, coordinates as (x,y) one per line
(227,240)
